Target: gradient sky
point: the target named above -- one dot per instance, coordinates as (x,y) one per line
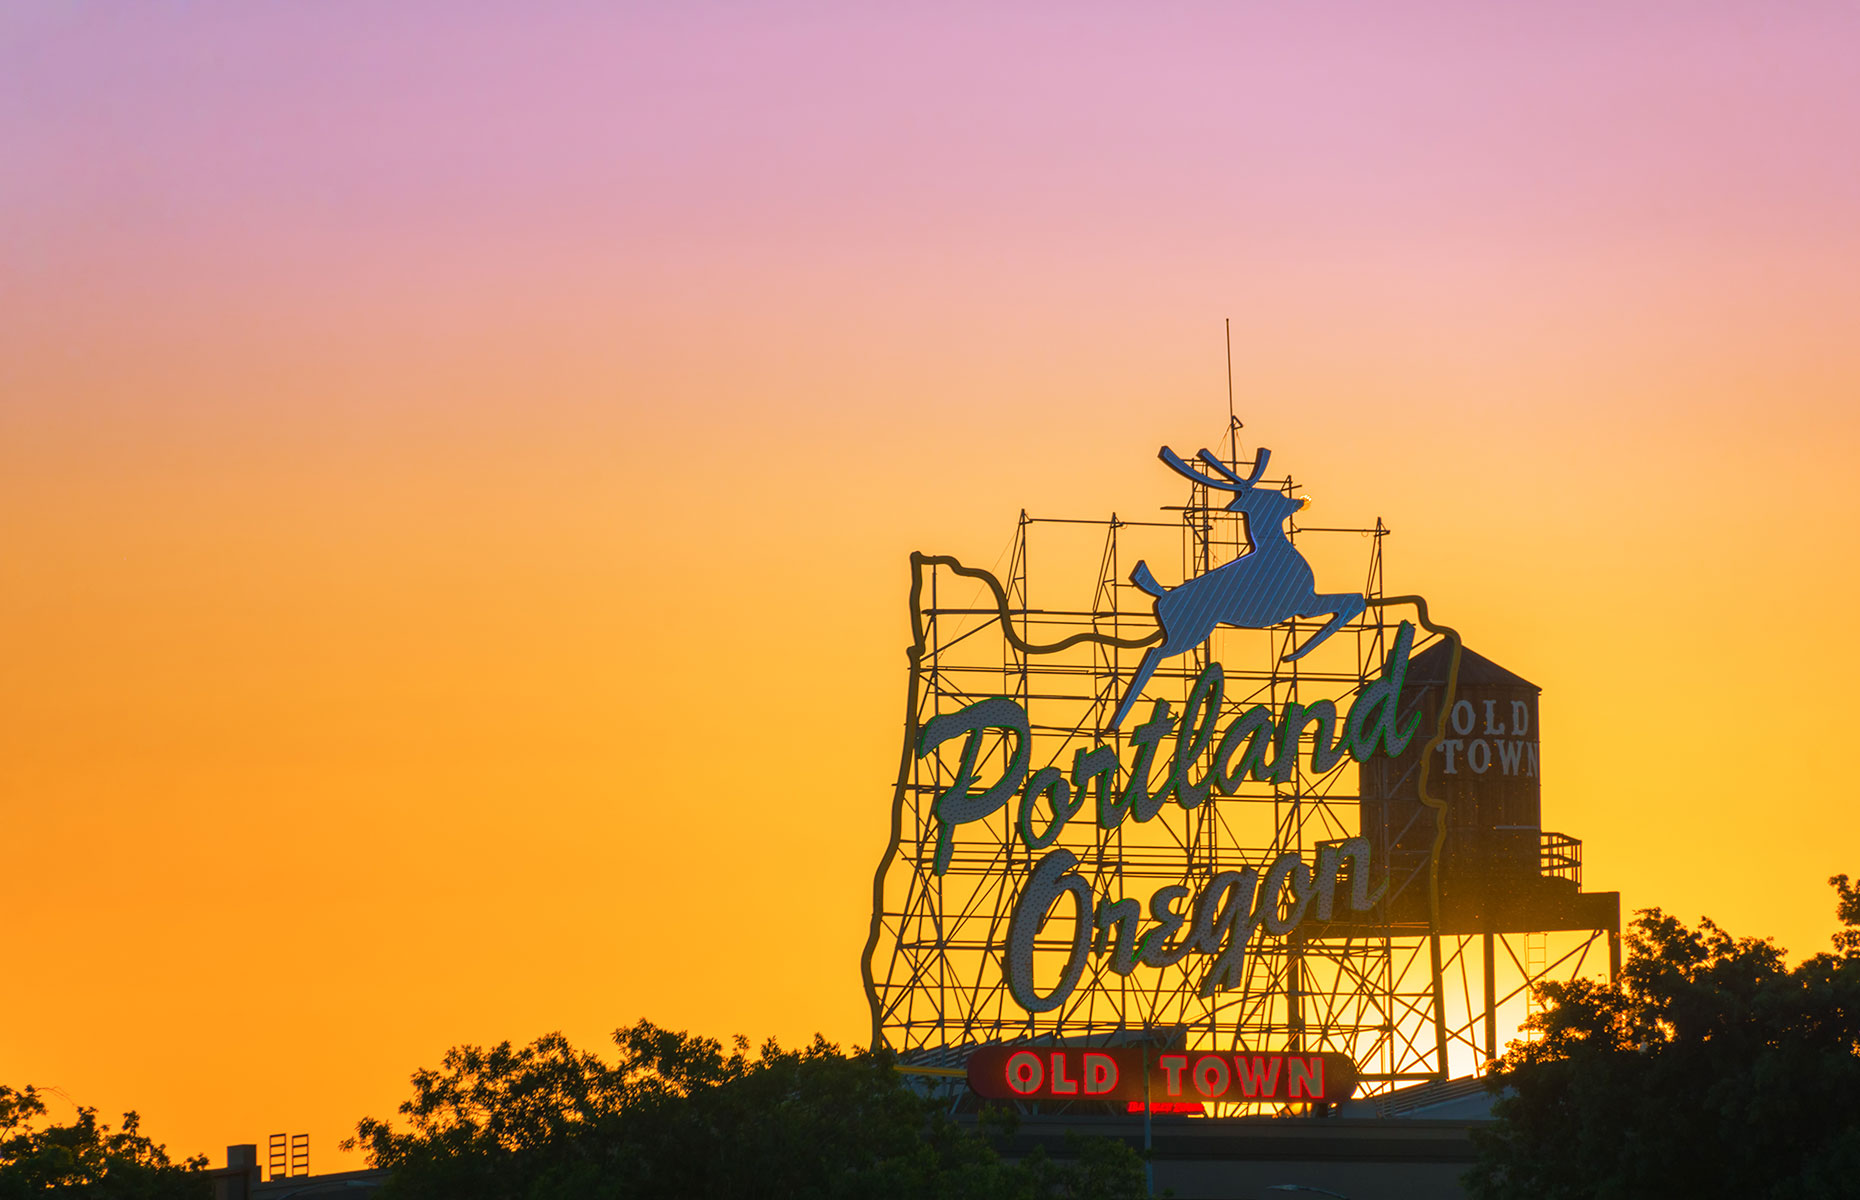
(458,468)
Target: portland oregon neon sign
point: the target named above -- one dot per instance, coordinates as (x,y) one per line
(1120,813)
(1232,905)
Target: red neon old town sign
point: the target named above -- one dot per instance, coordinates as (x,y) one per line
(1160,1076)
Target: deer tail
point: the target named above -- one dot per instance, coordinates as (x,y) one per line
(1141,576)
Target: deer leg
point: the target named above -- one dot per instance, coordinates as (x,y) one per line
(1344,607)
(1142,677)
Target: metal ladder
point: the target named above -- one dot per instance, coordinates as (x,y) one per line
(1536,961)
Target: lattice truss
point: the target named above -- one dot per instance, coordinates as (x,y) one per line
(935,968)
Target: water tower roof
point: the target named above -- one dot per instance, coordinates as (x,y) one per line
(1476,670)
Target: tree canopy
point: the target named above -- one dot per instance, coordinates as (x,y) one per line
(1711,1068)
(86,1158)
(677,1116)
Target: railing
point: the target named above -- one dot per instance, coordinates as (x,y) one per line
(1559,856)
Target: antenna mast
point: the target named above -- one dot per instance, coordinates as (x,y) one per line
(1233,422)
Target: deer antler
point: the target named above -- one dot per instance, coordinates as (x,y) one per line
(1259,467)
(1181,468)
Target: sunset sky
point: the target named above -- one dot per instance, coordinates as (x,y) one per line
(458,468)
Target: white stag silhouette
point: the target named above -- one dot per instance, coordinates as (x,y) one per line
(1270,583)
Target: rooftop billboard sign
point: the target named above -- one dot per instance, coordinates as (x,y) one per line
(1134,822)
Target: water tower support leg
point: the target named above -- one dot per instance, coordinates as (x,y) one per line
(1441,1070)
(1491,1001)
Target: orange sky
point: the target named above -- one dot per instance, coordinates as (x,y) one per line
(444,462)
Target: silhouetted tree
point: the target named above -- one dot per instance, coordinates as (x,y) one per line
(677,1117)
(1710,1069)
(85,1158)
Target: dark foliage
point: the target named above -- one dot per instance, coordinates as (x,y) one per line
(86,1159)
(676,1117)
(1711,1069)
